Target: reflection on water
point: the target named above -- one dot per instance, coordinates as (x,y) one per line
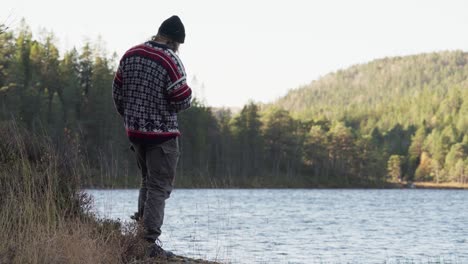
(308,226)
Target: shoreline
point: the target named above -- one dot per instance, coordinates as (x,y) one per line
(443,186)
(389,185)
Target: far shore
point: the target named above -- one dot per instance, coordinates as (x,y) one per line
(430,185)
(447,185)
(389,185)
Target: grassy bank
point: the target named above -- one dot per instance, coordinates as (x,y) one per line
(44,218)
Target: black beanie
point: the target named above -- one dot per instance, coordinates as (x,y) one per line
(173,28)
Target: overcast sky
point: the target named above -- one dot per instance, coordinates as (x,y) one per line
(246,49)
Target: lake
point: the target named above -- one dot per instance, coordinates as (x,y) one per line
(307,226)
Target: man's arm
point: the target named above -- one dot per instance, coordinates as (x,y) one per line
(179,93)
(117,91)
(180,97)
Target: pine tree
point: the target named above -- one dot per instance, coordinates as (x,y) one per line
(394,168)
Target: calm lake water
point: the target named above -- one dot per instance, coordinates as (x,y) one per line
(308,226)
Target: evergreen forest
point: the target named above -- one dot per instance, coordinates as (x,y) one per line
(370,125)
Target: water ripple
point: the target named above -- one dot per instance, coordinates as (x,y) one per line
(308,226)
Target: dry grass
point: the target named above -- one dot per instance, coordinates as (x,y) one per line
(68,243)
(44,218)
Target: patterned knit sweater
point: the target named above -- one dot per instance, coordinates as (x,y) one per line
(149,88)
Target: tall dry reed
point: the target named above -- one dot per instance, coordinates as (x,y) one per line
(44,217)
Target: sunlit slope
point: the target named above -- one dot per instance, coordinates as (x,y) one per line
(407,90)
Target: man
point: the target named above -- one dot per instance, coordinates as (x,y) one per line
(149,89)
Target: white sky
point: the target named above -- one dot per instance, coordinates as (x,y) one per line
(252,49)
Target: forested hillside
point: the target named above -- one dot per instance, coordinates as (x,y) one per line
(391,119)
(418,103)
(406,90)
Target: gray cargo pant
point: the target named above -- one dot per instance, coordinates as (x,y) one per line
(158,164)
